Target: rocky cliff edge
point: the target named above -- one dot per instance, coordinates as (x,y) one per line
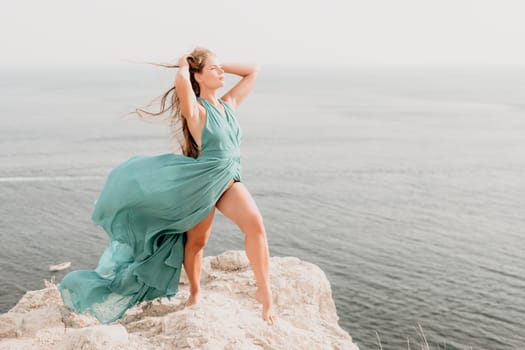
(227,316)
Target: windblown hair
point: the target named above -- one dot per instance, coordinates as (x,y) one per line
(180,132)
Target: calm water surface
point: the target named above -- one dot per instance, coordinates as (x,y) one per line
(406,185)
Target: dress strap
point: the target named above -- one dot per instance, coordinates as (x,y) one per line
(215,108)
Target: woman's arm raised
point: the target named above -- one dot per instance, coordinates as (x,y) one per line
(188,101)
(236,95)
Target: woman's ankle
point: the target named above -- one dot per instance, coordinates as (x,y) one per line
(194,290)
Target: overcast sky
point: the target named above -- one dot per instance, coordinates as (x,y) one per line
(269,31)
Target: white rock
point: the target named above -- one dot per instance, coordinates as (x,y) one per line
(95,337)
(233,260)
(9,325)
(60,267)
(37,299)
(48,317)
(227,316)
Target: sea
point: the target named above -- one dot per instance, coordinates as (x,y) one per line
(405,184)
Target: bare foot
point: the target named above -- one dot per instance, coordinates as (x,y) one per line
(265,298)
(192,299)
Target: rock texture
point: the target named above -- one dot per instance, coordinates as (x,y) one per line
(227,316)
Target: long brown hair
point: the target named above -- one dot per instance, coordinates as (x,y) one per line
(177,122)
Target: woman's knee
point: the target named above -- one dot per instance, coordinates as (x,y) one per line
(253,223)
(196,244)
(196,240)
(197,237)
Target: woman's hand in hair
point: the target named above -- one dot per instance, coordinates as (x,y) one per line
(183,61)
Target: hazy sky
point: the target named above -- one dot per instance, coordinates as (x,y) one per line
(269,31)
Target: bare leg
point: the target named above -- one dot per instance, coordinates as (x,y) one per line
(197,237)
(238,205)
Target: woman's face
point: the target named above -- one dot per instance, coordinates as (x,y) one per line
(212,75)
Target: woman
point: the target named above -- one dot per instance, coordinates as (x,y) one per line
(158,211)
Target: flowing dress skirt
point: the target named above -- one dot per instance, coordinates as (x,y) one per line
(146,206)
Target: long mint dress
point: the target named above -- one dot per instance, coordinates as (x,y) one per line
(146,206)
